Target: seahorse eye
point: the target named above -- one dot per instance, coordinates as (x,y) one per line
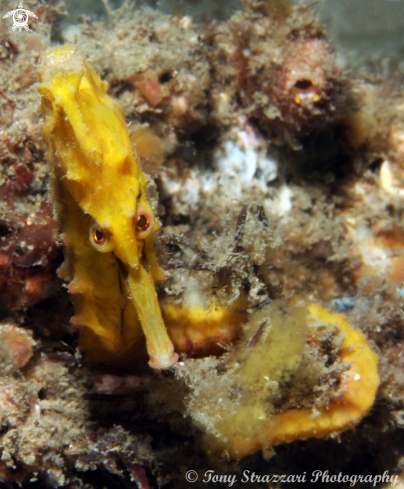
(98,236)
(100,239)
(144,221)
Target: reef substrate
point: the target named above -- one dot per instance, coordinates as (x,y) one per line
(277,177)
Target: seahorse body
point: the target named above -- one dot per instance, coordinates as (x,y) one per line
(107,222)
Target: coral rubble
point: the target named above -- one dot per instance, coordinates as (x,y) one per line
(28,251)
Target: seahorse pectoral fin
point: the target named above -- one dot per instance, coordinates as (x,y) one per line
(144,296)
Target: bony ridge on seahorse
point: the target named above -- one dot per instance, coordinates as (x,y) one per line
(107,222)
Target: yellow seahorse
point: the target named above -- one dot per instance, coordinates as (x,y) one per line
(107,226)
(107,222)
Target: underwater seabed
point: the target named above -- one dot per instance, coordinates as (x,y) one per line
(201,250)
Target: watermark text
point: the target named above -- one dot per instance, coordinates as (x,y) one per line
(319,476)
